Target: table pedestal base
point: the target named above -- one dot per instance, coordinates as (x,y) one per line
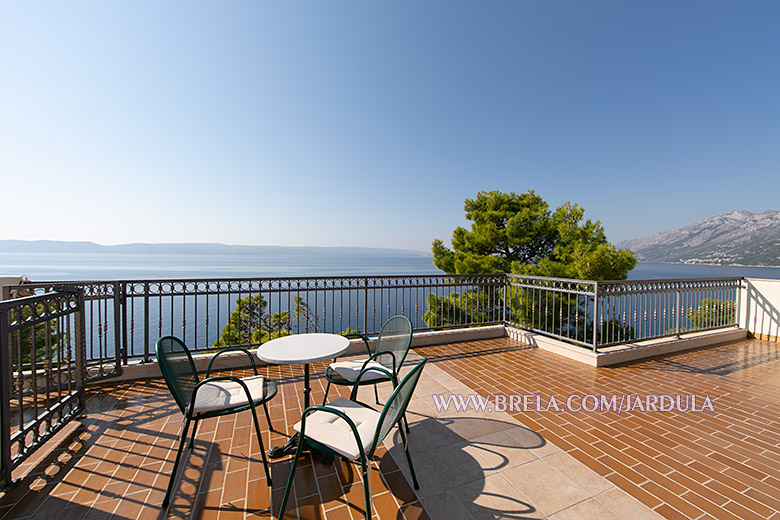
(289,449)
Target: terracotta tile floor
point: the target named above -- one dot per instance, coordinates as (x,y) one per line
(722,464)
(117,461)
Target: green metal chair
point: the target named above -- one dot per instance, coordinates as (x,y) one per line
(392,346)
(211,397)
(355,430)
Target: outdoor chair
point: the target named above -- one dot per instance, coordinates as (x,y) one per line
(355,430)
(392,345)
(211,397)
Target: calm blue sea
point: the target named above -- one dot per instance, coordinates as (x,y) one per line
(74,267)
(68,266)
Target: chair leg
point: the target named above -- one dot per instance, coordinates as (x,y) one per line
(367,486)
(376,394)
(290,478)
(409,459)
(167,498)
(260,442)
(327,389)
(192,437)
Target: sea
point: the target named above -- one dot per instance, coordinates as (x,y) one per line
(111,266)
(50,267)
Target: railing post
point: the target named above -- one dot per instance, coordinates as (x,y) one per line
(117,324)
(677,311)
(124,323)
(146,322)
(81,349)
(506,284)
(596,316)
(738,304)
(365,307)
(5,400)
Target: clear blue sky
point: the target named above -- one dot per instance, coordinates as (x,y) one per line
(368,123)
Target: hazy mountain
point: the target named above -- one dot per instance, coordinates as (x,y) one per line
(52,246)
(738,237)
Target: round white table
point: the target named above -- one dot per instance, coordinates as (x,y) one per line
(300,349)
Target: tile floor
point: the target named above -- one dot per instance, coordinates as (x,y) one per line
(472,464)
(722,464)
(117,461)
(475,464)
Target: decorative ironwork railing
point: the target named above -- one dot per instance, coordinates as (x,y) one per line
(41,371)
(640,310)
(558,307)
(125,318)
(601,314)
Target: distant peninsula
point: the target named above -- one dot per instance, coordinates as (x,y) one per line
(54,246)
(736,238)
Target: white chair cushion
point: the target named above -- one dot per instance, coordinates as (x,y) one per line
(332,431)
(349,370)
(221,395)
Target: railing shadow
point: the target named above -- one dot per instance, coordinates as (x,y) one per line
(765,316)
(711,360)
(120,455)
(35,492)
(448,356)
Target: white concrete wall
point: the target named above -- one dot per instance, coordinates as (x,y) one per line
(759,308)
(9,280)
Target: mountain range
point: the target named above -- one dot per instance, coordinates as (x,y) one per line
(736,238)
(54,246)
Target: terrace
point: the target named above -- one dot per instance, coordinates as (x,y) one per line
(113,460)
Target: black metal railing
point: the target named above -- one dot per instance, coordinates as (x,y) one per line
(647,309)
(602,314)
(42,371)
(125,318)
(557,307)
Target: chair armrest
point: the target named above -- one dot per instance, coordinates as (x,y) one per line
(355,386)
(357,335)
(383,353)
(219,378)
(360,335)
(232,349)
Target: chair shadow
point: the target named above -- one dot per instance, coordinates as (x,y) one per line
(446,463)
(98,439)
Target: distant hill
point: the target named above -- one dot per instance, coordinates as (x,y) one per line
(736,238)
(52,246)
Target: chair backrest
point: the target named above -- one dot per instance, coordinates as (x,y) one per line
(395,337)
(178,369)
(396,405)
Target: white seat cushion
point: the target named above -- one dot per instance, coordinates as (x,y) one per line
(349,370)
(221,395)
(332,431)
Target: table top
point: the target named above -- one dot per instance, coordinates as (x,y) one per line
(302,348)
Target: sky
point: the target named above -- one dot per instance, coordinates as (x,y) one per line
(354,123)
